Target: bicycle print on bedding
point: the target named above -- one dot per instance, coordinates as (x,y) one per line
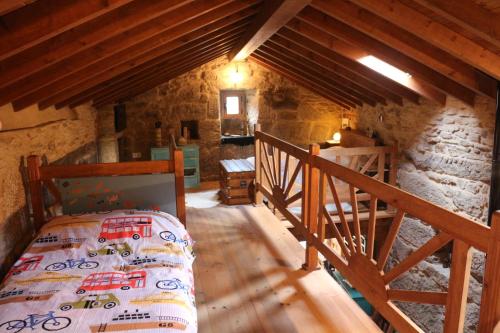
(118,271)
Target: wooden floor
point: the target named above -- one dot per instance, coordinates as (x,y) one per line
(248,278)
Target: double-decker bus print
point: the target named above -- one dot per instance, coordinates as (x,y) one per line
(113,280)
(25,264)
(133,227)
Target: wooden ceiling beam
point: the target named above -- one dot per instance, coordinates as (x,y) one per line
(124,88)
(274,15)
(41,20)
(84,79)
(435,33)
(145,73)
(138,89)
(326,75)
(123,68)
(322,44)
(327,64)
(82,37)
(469,16)
(371,46)
(331,69)
(298,69)
(157,63)
(300,81)
(409,44)
(7,6)
(128,45)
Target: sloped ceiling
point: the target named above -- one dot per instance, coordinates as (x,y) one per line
(65,53)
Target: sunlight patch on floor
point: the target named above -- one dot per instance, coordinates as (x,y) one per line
(205,199)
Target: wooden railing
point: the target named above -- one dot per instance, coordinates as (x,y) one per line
(366,269)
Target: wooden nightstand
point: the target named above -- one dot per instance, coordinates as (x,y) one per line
(191,162)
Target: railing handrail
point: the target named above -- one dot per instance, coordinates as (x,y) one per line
(464,232)
(287,147)
(458,226)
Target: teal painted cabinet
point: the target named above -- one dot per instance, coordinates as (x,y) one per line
(191,162)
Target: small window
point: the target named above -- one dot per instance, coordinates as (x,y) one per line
(232,103)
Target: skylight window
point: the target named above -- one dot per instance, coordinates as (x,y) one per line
(385,69)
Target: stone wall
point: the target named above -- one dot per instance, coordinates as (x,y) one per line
(283,108)
(62,141)
(445,158)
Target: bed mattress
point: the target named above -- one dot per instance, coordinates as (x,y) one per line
(119,271)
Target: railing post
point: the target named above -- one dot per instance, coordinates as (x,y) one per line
(490,299)
(311,196)
(393,164)
(458,287)
(35,184)
(179,185)
(258,174)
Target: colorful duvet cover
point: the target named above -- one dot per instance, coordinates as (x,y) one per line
(121,271)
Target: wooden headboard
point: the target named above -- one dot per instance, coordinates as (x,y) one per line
(155,185)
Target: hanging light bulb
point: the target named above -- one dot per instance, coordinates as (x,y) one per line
(235,76)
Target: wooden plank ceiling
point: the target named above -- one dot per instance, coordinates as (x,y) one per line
(69,52)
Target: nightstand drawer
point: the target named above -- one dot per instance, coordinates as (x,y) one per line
(191,162)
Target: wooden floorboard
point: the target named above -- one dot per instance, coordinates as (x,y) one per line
(248,278)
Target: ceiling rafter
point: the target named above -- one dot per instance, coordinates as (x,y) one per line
(82,37)
(468,15)
(153,82)
(41,20)
(171,39)
(200,43)
(157,62)
(419,71)
(145,71)
(333,68)
(7,6)
(409,44)
(274,15)
(357,48)
(324,74)
(300,81)
(435,33)
(332,88)
(168,63)
(139,88)
(127,45)
(326,45)
(322,44)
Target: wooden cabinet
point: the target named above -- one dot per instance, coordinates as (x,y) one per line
(235,178)
(191,162)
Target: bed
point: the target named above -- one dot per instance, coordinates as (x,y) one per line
(119,259)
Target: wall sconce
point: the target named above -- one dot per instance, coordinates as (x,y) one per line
(235,77)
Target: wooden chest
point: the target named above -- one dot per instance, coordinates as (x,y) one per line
(235,177)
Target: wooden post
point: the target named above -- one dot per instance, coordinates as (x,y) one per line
(490,299)
(312,201)
(393,165)
(458,287)
(35,184)
(258,174)
(179,185)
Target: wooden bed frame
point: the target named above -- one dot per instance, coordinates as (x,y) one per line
(40,175)
(364,268)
